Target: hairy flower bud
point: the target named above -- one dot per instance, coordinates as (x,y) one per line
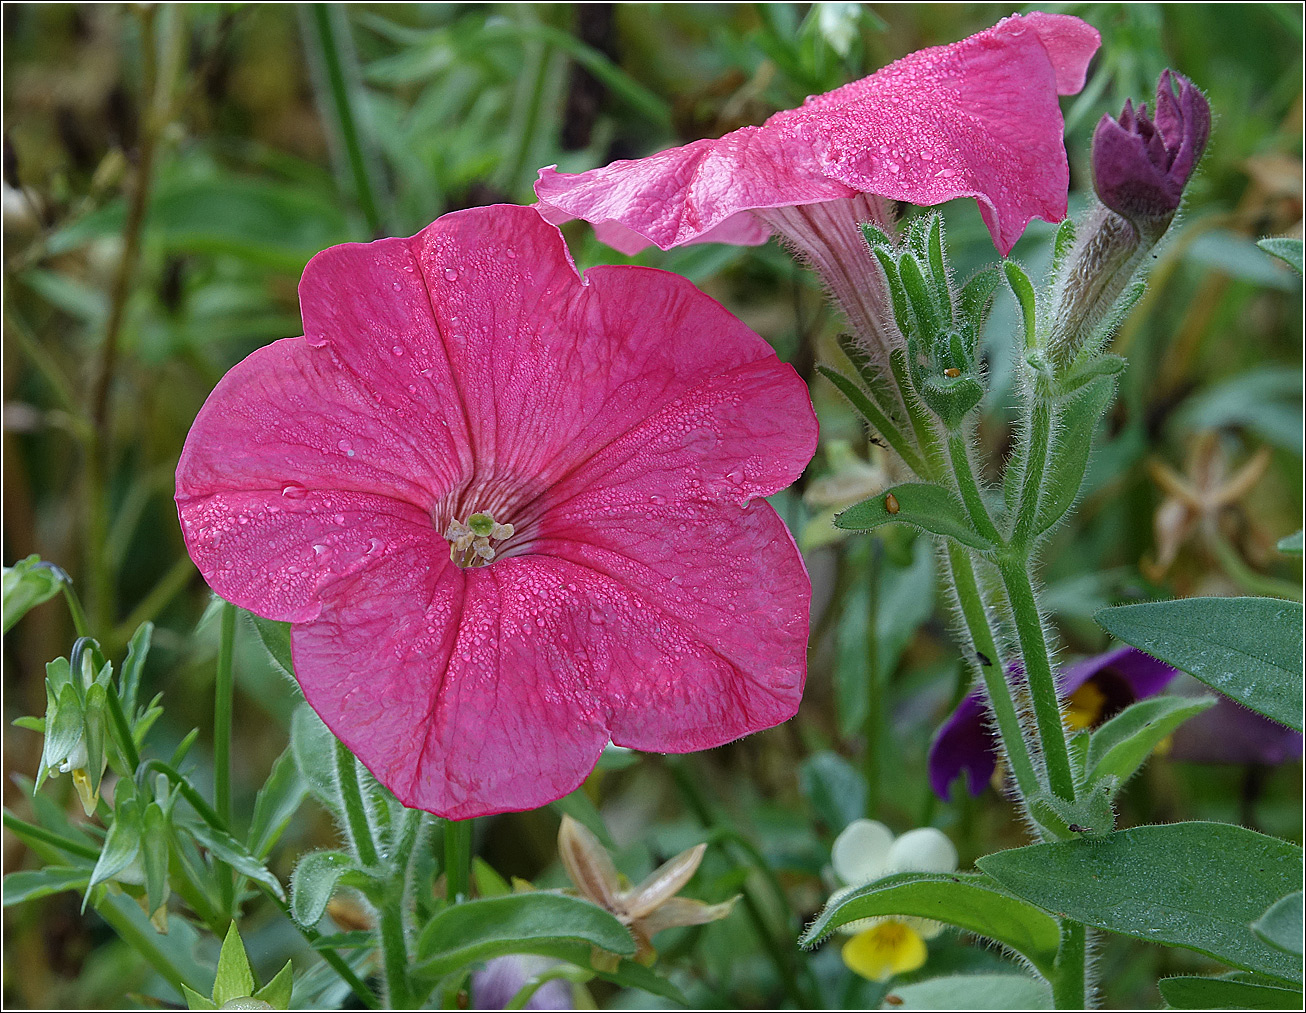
(1141,164)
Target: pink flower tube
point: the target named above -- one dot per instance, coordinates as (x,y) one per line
(511,512)
(977,118)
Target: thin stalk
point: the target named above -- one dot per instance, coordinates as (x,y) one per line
(394,954)
(335,51)
(996,687)
(126,742)
(866,403)
(223,692)
(457,859)
(80,623)
(969,488)
(21,828)
(360,830)
(1038,673)
(873,725)
(1069,978)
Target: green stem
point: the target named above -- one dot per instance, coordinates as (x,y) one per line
(360,830)
(976,618)
(394,952)
(969,488)
(529,104)
(223,692)
(1039,435)
(22,829)
(877,417)
(80,624)
(1038,674)
(1069,978)
(873,726)
(919,416)
(332,42)
(145,944)
(125,740)
(457,859)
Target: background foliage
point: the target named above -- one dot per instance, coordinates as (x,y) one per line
(168,172)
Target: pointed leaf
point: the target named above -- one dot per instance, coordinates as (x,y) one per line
(1291,545)
(276,638)
(971,902)
(227,849)
(26,584)
(234,979)
(1123,744)
(1193,885)
(1194,992)
(123,843)
(922,505)
(196,1001)
(314,749)
(277,802)
(1249,649)
(1281,925)
(313,882)
(975,992)
(1023,289)
(1075,420)
(154,855)
(31,885)
(138,650)
(481,929)
(1287,250)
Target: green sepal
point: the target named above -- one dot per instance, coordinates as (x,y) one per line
(929,320)
(196,1001)
(154,857)
(1023,289)
(235,979)
(138,649)
(276,638)
(1102,365)
(922,505)
(277,991)
(973,304)
(952,398)
(875,236)
(897,293)
(1074,420)
(32,724)
(94,721)
(64,723)
(1061,247)
(123,842)
(938,261)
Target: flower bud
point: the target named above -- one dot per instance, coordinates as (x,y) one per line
(1140,164)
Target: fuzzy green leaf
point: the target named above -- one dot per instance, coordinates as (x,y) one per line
(1194,992)
(922,505)
(235,979)
(313,882)
(1123,744)
(1281,925)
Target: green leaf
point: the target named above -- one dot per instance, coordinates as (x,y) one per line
(969,901)
(137,651)
(227,849)
(1281,925)
(952,399)
(313,882)
(975,992)
(234,979)
(155,839)
(1123,744)
(922,505)
(1193,885)
(64,723)
(1291,545)
(276,638)
(1193,992)
(1249,649)
(277,802)
(123,842)
(31,885)
(1287,250)
(481,929)
(314,749)
(1074,420)
(27,584)
(277,991)
(1061,247)
(920,298)
(1023,289)
(834,787)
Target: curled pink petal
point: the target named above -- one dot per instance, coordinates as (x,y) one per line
(620,423)
(977,118)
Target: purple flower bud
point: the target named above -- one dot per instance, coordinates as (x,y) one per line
(1141,165)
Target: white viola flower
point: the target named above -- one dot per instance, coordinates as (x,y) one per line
(865,852)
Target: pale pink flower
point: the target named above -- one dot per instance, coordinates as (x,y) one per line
(977,118)
(511,512)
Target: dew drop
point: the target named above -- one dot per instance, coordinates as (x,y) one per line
(346,447)
(293,490)
(450,274)
(397,350)
(397,287)
(657,500)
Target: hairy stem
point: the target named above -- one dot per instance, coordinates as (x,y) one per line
(360,829)
(223,693)
(457,858)
(1069,979)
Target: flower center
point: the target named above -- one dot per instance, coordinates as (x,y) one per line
(473,543)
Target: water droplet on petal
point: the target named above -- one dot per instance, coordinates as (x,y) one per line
(293,490)
(397,350)
(450,274)
(397,287)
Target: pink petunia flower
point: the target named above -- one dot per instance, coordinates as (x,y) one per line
(977,118)
(511,512)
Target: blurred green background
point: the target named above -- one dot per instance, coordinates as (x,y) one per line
(169,169)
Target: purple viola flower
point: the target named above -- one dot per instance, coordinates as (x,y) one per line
(1141,164)
(494,985)
(1092,691)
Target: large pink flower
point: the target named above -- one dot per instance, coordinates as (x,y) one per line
(978,118)
(592,451)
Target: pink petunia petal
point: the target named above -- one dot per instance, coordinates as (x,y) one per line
(978,118)
(471,369)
